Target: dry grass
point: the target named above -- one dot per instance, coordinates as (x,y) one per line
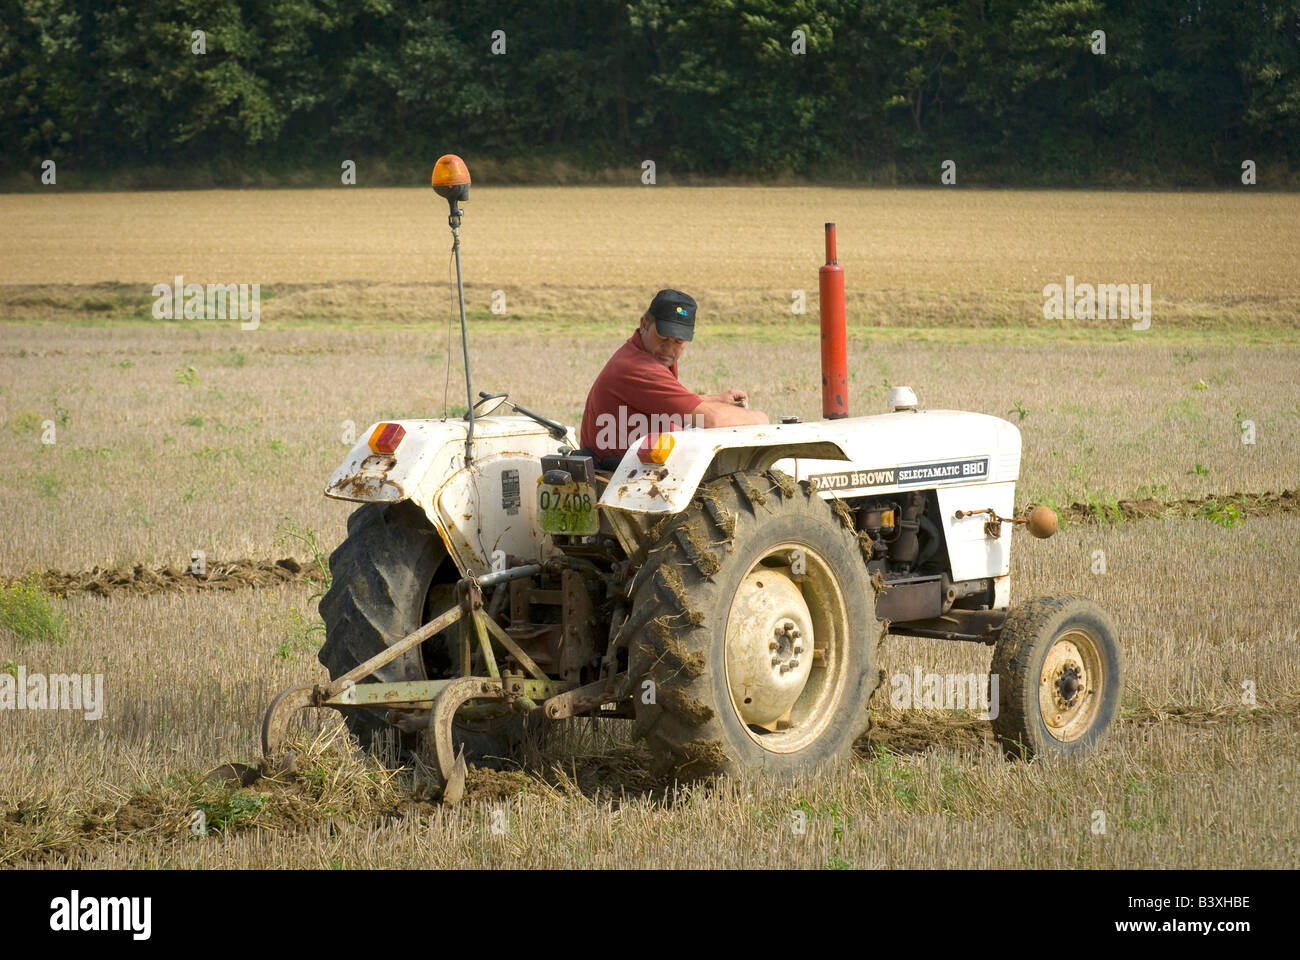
(147,469)
(1190,778)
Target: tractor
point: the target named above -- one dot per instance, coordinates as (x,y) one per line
(726,590)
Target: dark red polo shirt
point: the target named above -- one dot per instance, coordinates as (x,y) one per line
(630,392)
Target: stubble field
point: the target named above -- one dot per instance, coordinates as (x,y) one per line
(171,437)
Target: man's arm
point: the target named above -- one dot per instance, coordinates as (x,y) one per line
(712,413)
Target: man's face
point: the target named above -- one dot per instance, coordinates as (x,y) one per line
(667,350)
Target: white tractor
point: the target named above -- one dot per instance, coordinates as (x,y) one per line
(726,589)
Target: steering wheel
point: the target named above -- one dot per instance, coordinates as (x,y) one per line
(485,404)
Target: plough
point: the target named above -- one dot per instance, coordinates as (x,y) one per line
(525,689)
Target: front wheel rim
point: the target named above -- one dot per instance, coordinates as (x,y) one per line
(1071,685)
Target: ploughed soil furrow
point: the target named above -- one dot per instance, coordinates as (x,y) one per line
(142,580)
(1250,505)
(237,574)
(278,797)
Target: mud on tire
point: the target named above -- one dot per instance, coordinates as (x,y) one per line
(706,558)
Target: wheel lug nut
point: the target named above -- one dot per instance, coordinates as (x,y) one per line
(775,661)
(772,645)
(794,663)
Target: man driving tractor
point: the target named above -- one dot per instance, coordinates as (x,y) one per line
(638,390)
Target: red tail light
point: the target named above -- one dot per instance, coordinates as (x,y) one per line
(386,437)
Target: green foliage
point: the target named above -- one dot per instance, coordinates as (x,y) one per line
(1240,420)
(293,531)
(187,375)
(1225,515)
(898,778)
(1153,491)
(301,635)
(1061,522)
(304,633)
(883,89)
(50,485)
(61,415)
(24,421)
(29,615)
(1142,810)
(224,813)
(1105,507)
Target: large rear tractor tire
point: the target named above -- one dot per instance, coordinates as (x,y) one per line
(759,646)
(390,576)
(1059,670)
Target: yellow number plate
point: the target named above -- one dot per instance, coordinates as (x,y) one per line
(567,508)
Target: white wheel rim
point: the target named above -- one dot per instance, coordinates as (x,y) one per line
(1070,686)
(793,701)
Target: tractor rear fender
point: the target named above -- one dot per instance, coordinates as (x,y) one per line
(482,513)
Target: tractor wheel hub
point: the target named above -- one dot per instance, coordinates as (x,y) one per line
(769,647)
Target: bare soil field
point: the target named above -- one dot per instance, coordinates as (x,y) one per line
(912,257)
(127,445)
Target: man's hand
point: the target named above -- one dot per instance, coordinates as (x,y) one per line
(737,398)
(716,412)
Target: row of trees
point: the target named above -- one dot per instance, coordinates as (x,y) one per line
(1185,89)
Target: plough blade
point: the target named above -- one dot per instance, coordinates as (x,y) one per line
(439,737)
(454,791)
(275,725)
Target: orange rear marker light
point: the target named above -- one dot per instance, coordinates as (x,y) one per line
(655,448)
(386,437)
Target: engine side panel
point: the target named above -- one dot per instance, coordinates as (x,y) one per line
(971,552)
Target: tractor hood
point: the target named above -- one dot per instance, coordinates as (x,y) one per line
(907,450)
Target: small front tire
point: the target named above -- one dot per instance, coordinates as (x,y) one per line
(1059,673)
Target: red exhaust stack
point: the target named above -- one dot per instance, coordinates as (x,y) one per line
(835,354)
